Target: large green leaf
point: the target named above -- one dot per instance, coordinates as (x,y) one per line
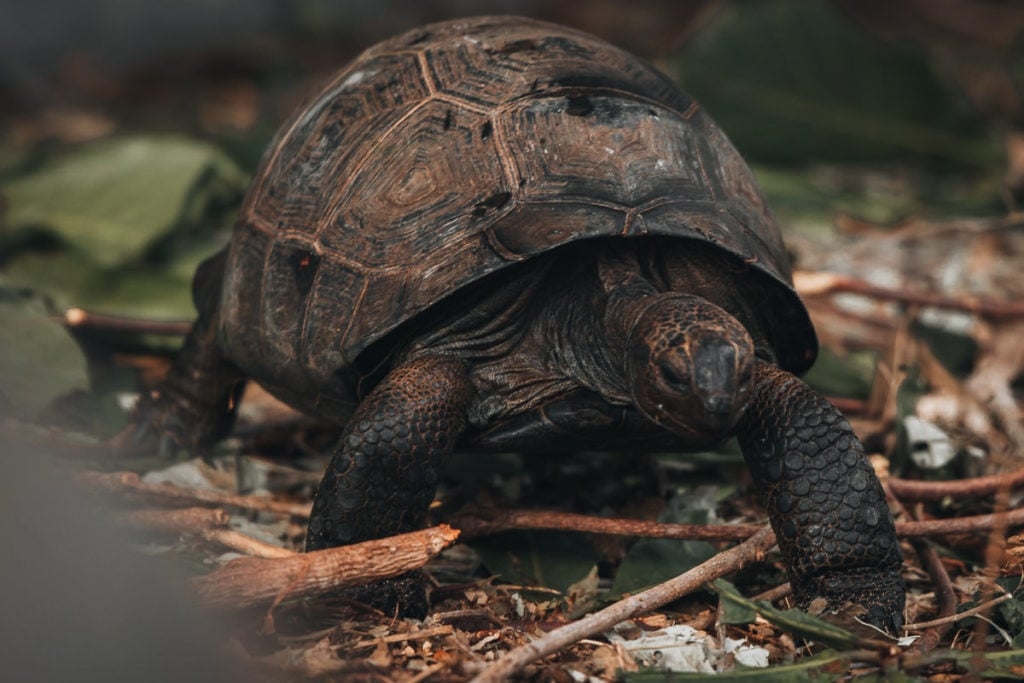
(40,361)
(119,199)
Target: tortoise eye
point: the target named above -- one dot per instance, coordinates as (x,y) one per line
(672,376)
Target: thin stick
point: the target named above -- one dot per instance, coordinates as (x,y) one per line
(911,489)
(244,543)
(205,522)
(184,520)
(480,522)
(652,598)
(932,563)
(822,283)
(81,319)
(128,483)
(953,618)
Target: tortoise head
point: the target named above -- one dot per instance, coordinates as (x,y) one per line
(690,366)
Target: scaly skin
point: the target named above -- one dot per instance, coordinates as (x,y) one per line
(386,468)
(195,406)
(824,500)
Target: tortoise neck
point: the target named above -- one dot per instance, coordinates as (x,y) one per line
(627,293)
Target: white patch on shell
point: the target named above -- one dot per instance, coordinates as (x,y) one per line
(355,78)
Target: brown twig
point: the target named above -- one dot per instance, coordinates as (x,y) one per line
(821,283)
(932,563)
(246,544)
(81,319)
(128,483)
(250,581)
(723,563)
(953,618)
(185,520)
(482,522)
(910,489)
(205,522)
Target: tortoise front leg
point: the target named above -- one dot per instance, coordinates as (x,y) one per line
(824,500)
(387,465)
(195,405)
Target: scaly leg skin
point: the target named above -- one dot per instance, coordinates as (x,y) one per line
(194,407)
(386,468)
(824,500)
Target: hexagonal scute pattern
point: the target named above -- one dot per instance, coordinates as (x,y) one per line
(444,154)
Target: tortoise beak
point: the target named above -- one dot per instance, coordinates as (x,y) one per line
(722,410)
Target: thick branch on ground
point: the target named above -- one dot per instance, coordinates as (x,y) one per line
(482,522)
(129,484)
(721,564)
(251,581)
(820,283)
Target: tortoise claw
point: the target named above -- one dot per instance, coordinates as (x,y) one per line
(403,595)
(164,423)
(874,598)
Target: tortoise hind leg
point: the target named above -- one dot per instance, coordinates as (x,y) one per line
(386,468)
(824,500)
(195,405)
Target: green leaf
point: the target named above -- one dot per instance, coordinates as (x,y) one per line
(792,620)
(540,558)
(72,279)
(41,361)
(794,80)
(653,561)
(122,198)
(650,562)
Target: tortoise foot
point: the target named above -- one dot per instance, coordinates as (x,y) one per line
(872,596)
(404,595)
(164,420)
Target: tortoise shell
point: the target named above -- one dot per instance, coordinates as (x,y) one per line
(450,152)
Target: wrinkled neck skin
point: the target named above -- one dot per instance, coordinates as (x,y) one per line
(688,365)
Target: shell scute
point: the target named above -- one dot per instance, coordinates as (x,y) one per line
(445,154)
(433,170)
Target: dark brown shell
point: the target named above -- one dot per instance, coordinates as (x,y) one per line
(451,151)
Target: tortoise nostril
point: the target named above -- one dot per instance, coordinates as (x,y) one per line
(719,404)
